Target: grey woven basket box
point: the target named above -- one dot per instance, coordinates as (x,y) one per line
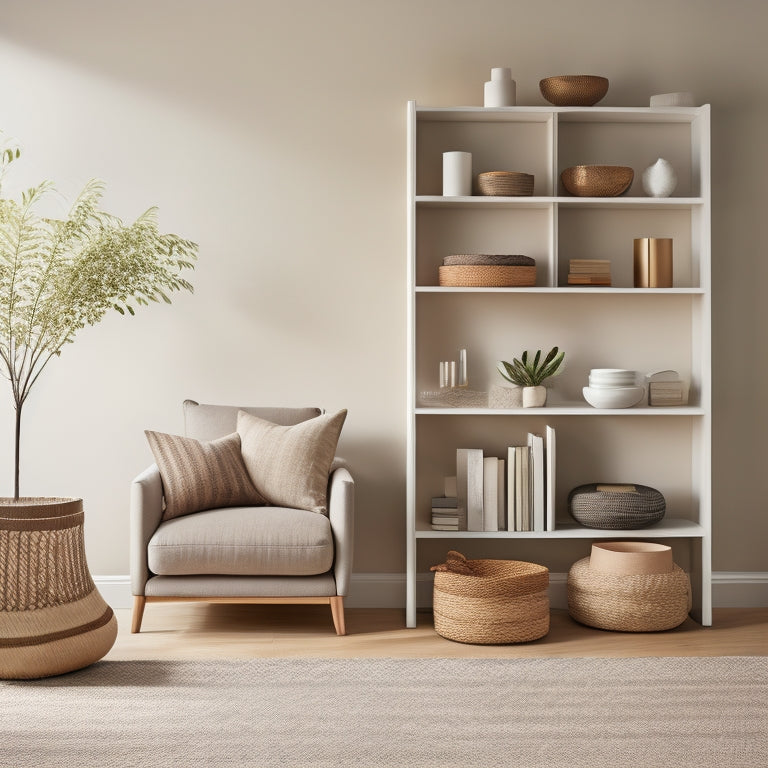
(622,507)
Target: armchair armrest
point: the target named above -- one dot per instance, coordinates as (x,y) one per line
(146,513)
(341,512)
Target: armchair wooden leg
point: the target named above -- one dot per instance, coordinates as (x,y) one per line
(337,610)
(138,612)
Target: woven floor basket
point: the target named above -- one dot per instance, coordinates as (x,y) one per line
(492,602)
(628,603)
(52,617)
(616,510)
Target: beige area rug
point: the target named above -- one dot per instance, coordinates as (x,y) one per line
(387,713)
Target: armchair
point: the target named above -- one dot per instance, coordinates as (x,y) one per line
(244,553)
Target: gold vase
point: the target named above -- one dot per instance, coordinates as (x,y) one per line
(52,618)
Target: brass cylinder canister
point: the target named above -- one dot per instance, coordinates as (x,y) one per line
(653,262)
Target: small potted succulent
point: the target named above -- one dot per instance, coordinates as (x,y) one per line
(530,372)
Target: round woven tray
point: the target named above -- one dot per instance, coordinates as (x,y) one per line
(486,276)
(616,510)
(505,183)
(574,90)
(628,603)
(488,260)
(597,180)
(491,602)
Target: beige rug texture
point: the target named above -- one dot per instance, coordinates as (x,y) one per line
(387,713)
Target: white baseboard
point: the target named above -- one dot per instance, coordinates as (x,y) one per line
(730,589)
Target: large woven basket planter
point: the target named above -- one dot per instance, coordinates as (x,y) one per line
(489,602)
(52,618)
(638,602)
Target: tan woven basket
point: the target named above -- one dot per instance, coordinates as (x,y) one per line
(52,617)
(649,602)
(574,90)
(597,180)
(485,276)
(505,183)
(490,601)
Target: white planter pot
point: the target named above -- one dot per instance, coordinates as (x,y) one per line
(534,397)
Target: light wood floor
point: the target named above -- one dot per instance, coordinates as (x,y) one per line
(204,631)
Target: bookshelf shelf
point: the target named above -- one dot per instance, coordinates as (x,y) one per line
(669,527)
(620,326)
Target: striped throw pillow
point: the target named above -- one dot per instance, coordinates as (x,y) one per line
(201,475)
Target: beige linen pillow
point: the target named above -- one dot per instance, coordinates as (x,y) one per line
(201,475)
(289,466)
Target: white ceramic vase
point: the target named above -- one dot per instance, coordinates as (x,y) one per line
(659,179)
(534,397)
(501,89)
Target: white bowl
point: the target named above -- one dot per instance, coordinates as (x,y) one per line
(613,397)
(612,375)
(612,385)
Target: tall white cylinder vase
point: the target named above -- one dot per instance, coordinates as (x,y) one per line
(501,89)
(457,174)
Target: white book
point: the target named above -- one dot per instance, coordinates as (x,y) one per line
(511,487)
(538,513)
(469,485)
(501,508)
(524,489)
(490,493)
(549,458)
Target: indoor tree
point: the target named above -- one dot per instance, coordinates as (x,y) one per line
(60,275)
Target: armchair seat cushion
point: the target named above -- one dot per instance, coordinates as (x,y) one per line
(243,541)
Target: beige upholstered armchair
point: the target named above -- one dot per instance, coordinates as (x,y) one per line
(281,531)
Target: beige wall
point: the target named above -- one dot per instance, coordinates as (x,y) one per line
(273,133)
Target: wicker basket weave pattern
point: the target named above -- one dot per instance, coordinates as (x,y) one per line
(490,601)
(52,618)
(628,603)
(616,510)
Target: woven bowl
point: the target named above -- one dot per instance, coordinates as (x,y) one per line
(505,183)
(486,276)
(573,90)
(597,180)
(619,510)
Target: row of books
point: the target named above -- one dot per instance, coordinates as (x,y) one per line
(515,493)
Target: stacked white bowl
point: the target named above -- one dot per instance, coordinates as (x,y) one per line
(613,388)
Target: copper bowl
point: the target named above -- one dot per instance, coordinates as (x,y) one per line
(597,180)
(574,90)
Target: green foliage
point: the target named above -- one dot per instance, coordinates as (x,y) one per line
(531,373)
(60,275)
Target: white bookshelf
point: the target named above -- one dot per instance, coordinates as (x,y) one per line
(618,326)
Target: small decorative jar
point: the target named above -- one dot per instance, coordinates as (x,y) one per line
(501,89)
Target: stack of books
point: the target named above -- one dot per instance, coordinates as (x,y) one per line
(589,272)
(445,513)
